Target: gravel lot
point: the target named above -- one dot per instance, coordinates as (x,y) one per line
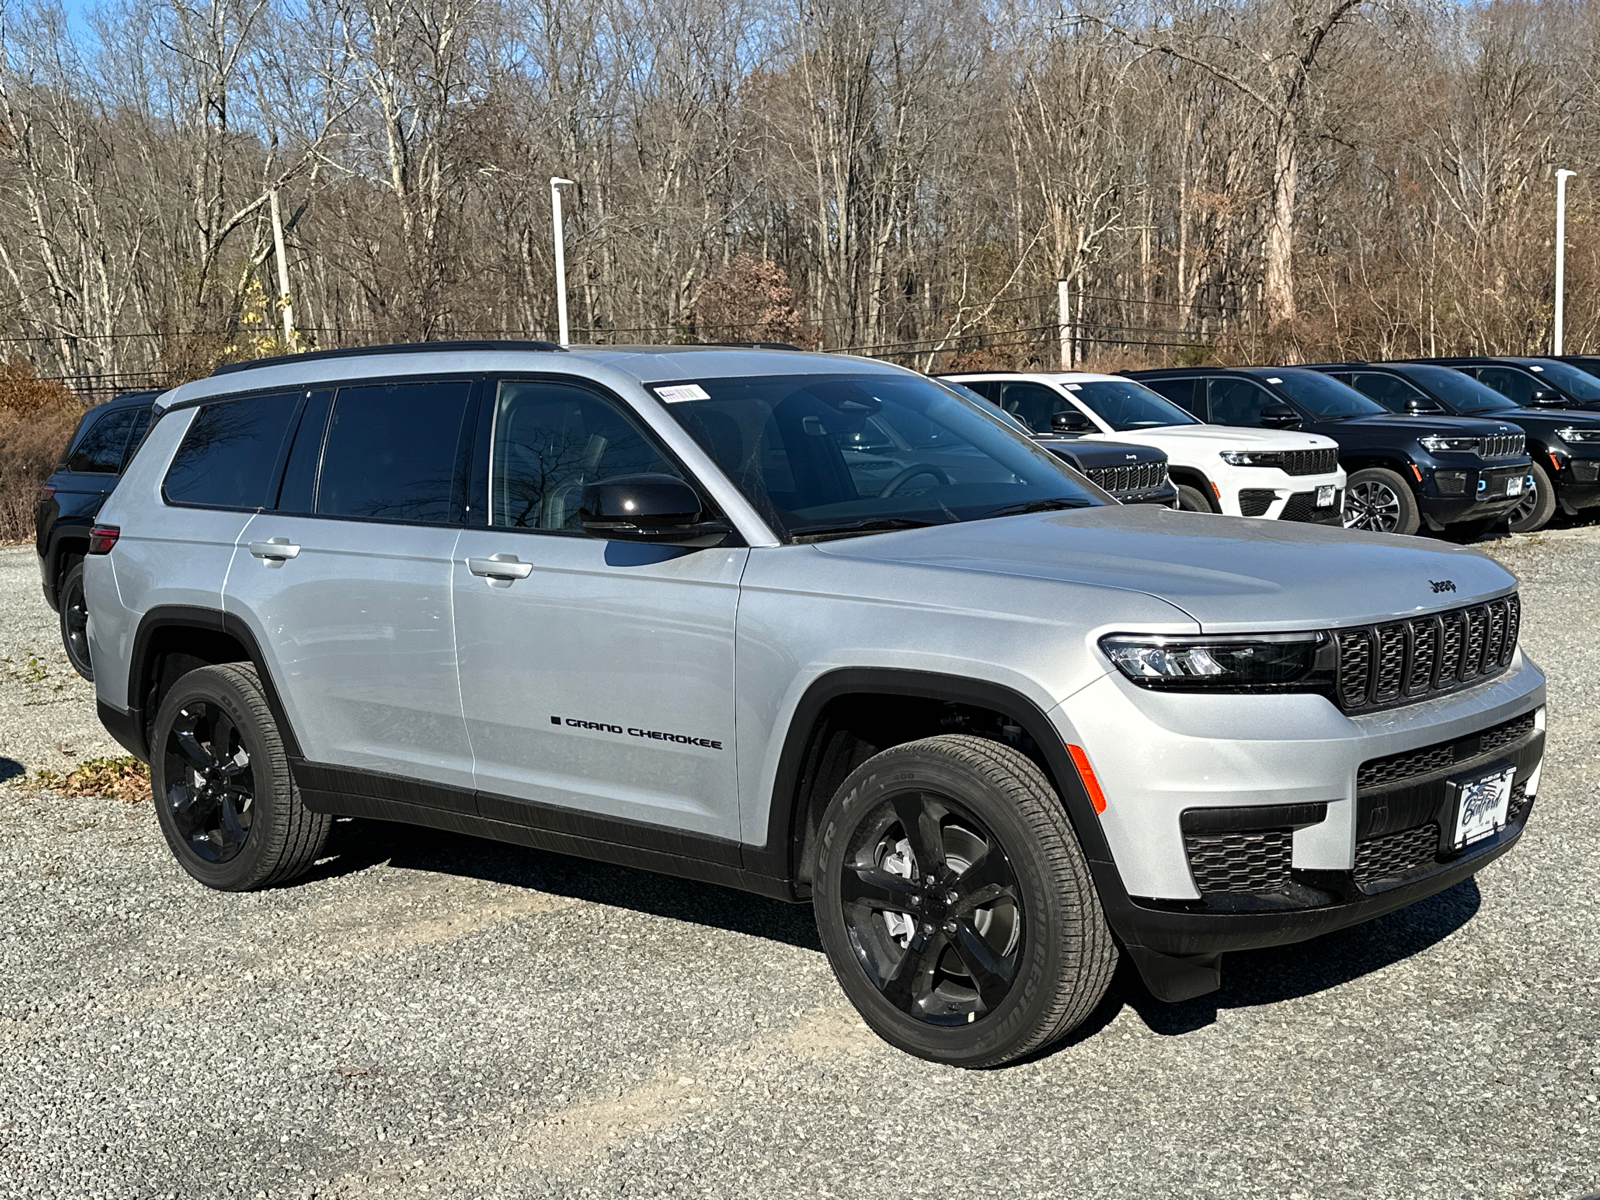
(435,1015)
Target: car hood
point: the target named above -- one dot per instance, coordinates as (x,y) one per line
(1230,574)
(1093,452)
(1234,436)
(1422,426)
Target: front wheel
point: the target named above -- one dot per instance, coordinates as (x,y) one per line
(955,905)
(224,796)
(1378,500)
(1192,499)
(1538,503)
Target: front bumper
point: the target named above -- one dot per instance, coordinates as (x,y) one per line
(1577,483)
(1274,495)
(1171,762)
(1449,494)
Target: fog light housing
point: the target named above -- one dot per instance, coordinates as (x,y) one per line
(1450,483)
(1586,470)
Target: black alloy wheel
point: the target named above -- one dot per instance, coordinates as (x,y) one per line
(1537,505)
(210,786)
(225,796)
(933,909)
(955,904)
(75,622)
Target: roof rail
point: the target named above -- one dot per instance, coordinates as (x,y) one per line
(279,360)
(753,345)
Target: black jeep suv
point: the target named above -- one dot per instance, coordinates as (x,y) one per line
(69,501)
(1404,470)
(1529,382)
(1564,444)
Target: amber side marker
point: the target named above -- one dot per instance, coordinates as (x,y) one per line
(1416,472)
(1216,489)
(1556,463)
(1086,773)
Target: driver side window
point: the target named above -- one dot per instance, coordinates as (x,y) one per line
(1389,391)
(1509,382)
(550,439)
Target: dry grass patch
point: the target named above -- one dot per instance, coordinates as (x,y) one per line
(125,779)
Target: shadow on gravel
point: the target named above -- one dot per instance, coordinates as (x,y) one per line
(1254,977)
(356,845)
(10,768)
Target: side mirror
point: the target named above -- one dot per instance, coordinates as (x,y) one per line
(1280,416)
(1071,421)
(1417,405)
(1545,398)
(659,509)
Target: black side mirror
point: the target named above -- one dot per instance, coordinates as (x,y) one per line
(1280,416)
(660,509)
(1069,422)
(1545,398)
(1417,405)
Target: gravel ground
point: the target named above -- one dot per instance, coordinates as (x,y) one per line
(435,1015)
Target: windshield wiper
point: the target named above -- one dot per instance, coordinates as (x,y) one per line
(819,533)
(1037,506)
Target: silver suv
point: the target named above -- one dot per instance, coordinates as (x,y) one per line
(816,627)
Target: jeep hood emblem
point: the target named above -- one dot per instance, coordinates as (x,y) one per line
(1443,585)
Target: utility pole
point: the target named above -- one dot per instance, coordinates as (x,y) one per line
(284,306)
(559,228)
(1561,252)
(1064,323)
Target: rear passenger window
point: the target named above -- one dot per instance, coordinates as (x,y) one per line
(299,491)
(394,452)
(99,451)
(1179,391)
(1239,402)
(229,456)
(1388,391)
(550,439)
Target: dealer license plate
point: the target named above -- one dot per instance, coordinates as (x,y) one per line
(1482,805)
(1325,495)
(1514,485)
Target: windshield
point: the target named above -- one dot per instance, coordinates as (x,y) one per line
(1461,392)
(834,454)
(1124,405)
(1578,384)
(1325,397)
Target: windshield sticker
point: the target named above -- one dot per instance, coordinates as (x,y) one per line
(1273,379)
(1074,387)
(1532,367)
(680,392)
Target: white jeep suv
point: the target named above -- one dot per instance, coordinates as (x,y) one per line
(1278,474)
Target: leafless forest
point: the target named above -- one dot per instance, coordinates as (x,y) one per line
(907,178)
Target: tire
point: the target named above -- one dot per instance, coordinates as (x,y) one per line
(1192,499)
(239,826)
(74,621)
(1020,957)
(1379,500)
(1537,507)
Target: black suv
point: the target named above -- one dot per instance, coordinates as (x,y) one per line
(1530,382)
(1563,444)
(1404,470)
(69,501)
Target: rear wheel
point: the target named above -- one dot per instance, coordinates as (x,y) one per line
(75,621)
(1378,500)
(1538,504)
(955,904)
(225,799)
(1192,499)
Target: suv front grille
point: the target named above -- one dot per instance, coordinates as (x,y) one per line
(1135,477)
(1407,660)
(1396,855)
(1255,501)
(1302,506)
(1249,861)
(1396,769)
(1502,445)
(1311,462)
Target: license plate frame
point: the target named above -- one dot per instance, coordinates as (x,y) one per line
(1325,495)
(1481,804)
(1514,485)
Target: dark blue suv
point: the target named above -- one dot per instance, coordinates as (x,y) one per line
(1405,470)
(69,501)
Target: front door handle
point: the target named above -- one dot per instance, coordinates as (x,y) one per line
(274,551)
(502,568)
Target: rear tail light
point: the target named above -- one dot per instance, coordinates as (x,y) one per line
(103,537)
(46,491)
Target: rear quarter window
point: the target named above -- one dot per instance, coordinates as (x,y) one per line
(229,456)
(99,450)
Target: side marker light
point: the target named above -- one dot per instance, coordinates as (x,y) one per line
(1086,774)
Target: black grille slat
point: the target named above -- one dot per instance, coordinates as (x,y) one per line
(1255,501)
(1407,660)
(1397,855)
(1252,861)
(1134,477)
(1310,462)
(1517,810)
(1442,756)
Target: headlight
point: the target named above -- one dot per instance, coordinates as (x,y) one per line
(1243,662)
(1573,433)
(1252,458)
(1435,444)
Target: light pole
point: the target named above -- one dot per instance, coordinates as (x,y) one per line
(559,228)
(1561,251)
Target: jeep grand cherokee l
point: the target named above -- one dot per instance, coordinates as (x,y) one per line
(639,604)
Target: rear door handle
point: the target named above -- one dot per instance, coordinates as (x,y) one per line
(500,567)
(274,551)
